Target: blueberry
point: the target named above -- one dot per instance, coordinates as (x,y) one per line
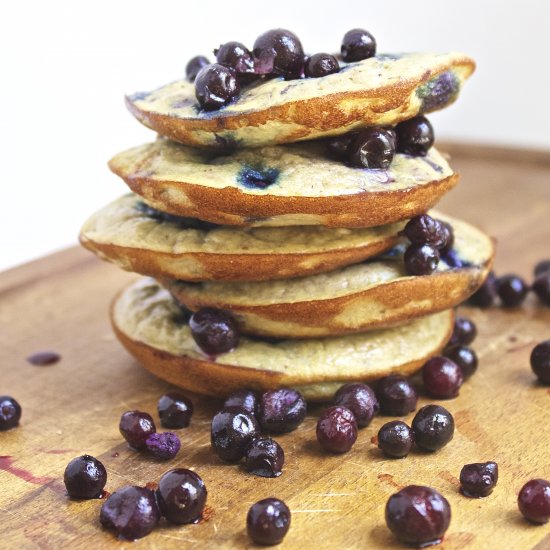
(284,49)
(214,331)
(448,238)
(10,412)
(542,268)
(265,458)
(181,496)
(424,229)
(321,64)
(442,377)
(433,427)
(131,511)
(216,86)
(464,357)
(85,477)
(337,430)
(268,521)
(478,480)
(194,66)
(372,148)
(415,136)
(540,361)
(235,56)
(396,395)
(541,287)
(136,427)
(245,399)
(534,501)
(232,431)
(282,410)
(512,290)
(163,446)
(421,259)
(439,91)
(338,147)
(395,439)
(418,515)
(358,44)
(485,295)
(360,400)
(464,332)
(175,410)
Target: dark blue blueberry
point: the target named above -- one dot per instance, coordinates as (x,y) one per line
(452,259)
(485,295)
(175,410)
(415,136)
(194,65)
(464,357)
(163,446)
(232,431)
(478,479)
(136,427)
(433,427)
(245,399)
(360,400)
(541,287)
(214,331)
(396,395)
(181,221)
(534,501)
(215,86)
(395,439)
(372,148)
(282,50)
(321,64)
(438,92)
(511,290)
(268,521)
(282,410)
(257,178)
(85,477)
(540,361)
(421,259)
(337,430)
(357,44)
(235,55)
(10,412)
(265,458)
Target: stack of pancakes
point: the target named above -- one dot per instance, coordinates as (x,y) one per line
(241,210)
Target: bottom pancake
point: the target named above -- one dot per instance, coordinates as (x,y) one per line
(153,329)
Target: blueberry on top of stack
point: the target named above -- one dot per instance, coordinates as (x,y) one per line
(284,212)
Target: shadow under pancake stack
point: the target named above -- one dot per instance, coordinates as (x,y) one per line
(275,232)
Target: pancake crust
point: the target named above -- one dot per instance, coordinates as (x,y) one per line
(125,235)
(146,320)
(356,298)
(382,90)
(306,187)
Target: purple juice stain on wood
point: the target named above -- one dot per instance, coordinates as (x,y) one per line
(44,358)
(6,464)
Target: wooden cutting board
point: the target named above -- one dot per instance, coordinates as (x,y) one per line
(73,407)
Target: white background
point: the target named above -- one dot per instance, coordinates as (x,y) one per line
(65,67)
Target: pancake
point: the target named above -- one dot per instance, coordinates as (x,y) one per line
(148,323)
(301,186)
(356,298)
(382,90)
(136,238)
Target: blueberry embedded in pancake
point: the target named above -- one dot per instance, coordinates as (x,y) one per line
(357,298)
(142,319)
(139,238)
(282,185)
(378,91)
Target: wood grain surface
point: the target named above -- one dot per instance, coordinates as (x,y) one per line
(60,303)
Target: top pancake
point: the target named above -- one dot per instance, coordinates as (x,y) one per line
(382,90)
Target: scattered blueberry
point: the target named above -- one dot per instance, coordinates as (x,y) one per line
(372,148)
(418,515)
(265,458)
(136,427)
(478,480)
(358,44)
(485,295)
(216,86)
(338,147)
(396,395)
(85,477)
(282,410)
(464,357)
(284,49)
(542,268)
(131,511)
(214,331)
(175,410)
(433,427)
(442,377)
(540,361)
(245,399)
(337,430)
(395,439)
(534,500)
(268,521)
(10,412)
(360,399)
(415,136)
(163,446)
(232,432)
(541,287)
(194,66)
(321,64)
(512,290)
(421,259)
(181,496)
(236,56)
(464,332)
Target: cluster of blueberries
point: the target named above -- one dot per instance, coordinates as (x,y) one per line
(512,289)
(276,53)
